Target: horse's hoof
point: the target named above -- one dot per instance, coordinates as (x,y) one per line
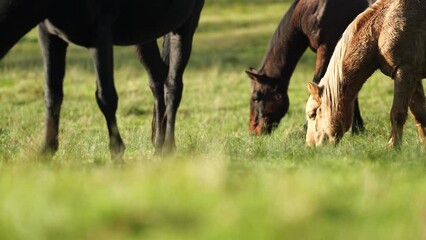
(169,149)
(390,144)
(165,150)
(48,150)
(117,152)
(393,145)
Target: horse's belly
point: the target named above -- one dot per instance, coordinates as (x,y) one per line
(141,21)
(145,33)
(136,21)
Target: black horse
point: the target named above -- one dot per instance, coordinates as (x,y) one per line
(98,25)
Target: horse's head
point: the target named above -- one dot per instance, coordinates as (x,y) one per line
(321,124)
(269,103)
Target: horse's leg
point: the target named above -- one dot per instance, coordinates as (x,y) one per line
(180,49)
(418,108)
(54,51)
(404,87)
(357,122)
(178,52)
(106,95)
(149,56)
(322,60)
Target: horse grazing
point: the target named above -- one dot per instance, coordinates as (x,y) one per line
(390,36)
(317,24)
(98,25)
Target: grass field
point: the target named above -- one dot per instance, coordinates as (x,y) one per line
(221,183)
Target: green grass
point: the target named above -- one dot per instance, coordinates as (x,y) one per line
(221,183)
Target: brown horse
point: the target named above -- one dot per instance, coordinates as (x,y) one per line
(317,24)
(390,36)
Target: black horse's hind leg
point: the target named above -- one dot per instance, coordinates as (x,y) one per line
(106,95)
(179,50)
(149,56)
(166,82)
(323,58)
(54,53)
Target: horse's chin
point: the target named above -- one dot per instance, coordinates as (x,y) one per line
(262,127)
(321,139)
(310,144)
(255,129)
(315,143)
(325,139)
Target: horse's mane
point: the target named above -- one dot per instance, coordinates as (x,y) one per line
(280,34)
(333,78)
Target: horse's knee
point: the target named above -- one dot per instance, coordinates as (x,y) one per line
(174,92)
(107,101)
(157,88)
(53,102)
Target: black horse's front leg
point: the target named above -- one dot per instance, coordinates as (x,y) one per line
(54,52)
(106,94)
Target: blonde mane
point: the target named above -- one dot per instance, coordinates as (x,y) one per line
(333,78)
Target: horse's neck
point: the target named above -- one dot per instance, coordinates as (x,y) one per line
(355,72)
(360,63)
(347,75)
(285,49)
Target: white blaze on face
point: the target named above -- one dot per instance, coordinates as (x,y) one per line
(311,116)
(315,134)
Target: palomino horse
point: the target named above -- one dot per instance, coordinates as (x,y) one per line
(98,25)
(317,24)
(390,36)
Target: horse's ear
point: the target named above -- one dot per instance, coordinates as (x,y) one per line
(315,90)
(253,74)
(258,77)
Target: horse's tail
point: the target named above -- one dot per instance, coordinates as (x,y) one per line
(17,17)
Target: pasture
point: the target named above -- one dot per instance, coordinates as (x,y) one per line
(221,183)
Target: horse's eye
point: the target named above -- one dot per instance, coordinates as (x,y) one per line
(278,97)
(257,97)
(312,115)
